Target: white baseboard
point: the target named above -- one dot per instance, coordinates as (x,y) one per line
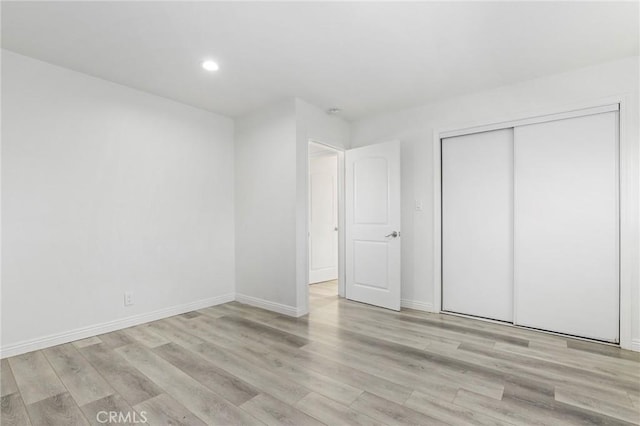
(417,305)
(291,311)
(106,327)
(635,345)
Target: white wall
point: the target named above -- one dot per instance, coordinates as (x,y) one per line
(265,184)
(271,201)
(414,128)
(106,189)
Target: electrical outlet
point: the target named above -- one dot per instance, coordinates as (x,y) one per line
(128,298)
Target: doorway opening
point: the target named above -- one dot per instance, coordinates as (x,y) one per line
(324,226)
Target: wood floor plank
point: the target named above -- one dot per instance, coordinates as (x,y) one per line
(581,416)
(57,410)
(472,324)
(114,407)
(393,323)
(170,329)
(210,330)
(496,327)
(115,339)
(260,331)
(448,412)
(273,412)
(391,413)
(612,396)
(439,368)
(229,336)
(608,408)
(87,342)
(310,360)
(541,401)
(377,331)
(250,312)
(35,377)
(340,372)
(494,366)
(218,310)
(183,388)
(145,335)
(501,410)
(281,363)
(310,379)
(360,342)
(498,337)
(7,381)
(324,288)
(560,344)
(561,362)
(207,329)
(13,412)
(563,356)
(266,381)
(211,312)
(302,327)
(635,398)
(390,373)
(537,399)
(78,375)
(164,410)
(359,379)
(587,356)
(319,302)
(603,349)
(128,381)
(527,365)
(331,412)
(216,379)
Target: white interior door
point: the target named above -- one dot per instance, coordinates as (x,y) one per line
(372,176)
(323,218)
(477,224)
(566,226)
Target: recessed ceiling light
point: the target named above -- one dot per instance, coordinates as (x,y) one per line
(210,65)
(333,111)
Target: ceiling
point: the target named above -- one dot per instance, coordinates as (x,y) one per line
(362,57)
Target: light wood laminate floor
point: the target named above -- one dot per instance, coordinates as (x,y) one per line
(344,364)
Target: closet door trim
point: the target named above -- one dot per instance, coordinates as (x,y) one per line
(533,120)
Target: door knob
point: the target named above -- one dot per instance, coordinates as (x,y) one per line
(394,234)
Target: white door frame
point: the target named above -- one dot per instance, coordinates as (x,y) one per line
(629,188)
(341,219)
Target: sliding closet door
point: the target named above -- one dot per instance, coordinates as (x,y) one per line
(566,226)
(477,224)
